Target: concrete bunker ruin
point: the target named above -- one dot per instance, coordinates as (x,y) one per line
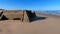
(22,15)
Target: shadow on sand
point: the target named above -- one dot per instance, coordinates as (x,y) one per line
(38,18)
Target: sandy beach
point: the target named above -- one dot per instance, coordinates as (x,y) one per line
(43,24)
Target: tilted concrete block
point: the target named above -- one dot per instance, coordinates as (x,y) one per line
(22,15)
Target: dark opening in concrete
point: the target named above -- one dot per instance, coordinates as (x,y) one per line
(4,18)
(17,19)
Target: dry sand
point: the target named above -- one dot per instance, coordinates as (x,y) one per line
(47,24)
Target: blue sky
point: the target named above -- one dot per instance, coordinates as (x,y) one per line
(30,4)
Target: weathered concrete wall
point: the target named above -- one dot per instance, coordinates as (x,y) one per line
(23,15)
(13,14)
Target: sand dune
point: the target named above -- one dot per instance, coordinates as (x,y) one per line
(43,24)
